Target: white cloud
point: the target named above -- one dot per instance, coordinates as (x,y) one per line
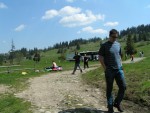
(90,29)
(80,19)
(73,16)
(71,1)
(68,10)
(111,24)
(50,14)
(20,28)
(2,5)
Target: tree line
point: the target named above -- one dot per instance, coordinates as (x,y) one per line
(75,42)
(33,53)
(133,35)
(139,33)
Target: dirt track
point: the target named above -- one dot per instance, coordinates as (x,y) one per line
(54,92)
(136,59)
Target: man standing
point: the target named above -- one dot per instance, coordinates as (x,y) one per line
(110,59)
(86,64)
(77,62)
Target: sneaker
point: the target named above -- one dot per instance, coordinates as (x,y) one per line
(110,109)
(118,107)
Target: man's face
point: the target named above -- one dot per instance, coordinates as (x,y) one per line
(114,35)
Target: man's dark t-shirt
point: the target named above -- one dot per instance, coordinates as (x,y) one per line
(112,54)
(77,58)
(85,58)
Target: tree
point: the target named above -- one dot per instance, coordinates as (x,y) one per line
(37,57)
(19,57)
(78,46)
(144,37)
(135,38)
(24,51)
(140,37)
(12,53)
(1,59)
(130,48)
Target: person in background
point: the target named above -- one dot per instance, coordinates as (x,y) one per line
(110,59)
(132,57)
(77,62)
(54,65)
(142,54)
(86,64)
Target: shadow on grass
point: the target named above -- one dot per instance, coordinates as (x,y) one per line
(83,110)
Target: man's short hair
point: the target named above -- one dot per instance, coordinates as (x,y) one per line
(113,31)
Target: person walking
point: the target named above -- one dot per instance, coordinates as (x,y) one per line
(86,64)
(142,53)
(132,57)
(77,62)
(110,59)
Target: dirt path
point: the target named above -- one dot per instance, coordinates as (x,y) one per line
(136,59)
(4,89)
(58,91)
(62,92)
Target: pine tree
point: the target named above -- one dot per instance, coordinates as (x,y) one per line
(135,38)
(12,53)
(37,57)
(130,49)
(1,59)
(78,46)
(140,37)
(144,37)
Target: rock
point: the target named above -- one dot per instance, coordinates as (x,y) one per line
(47,112)
(79,104)
(41,110)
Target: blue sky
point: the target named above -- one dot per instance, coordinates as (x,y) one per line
(42,23)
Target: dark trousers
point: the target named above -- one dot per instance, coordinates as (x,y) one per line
(75,67)
(118,76)
(86,65)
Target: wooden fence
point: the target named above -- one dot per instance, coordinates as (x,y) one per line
(9,69)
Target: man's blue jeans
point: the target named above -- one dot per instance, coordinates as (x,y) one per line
(118,75)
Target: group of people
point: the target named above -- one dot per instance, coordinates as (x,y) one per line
(110,55)
(77,59)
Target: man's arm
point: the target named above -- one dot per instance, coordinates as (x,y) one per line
(121,54)
(101,59)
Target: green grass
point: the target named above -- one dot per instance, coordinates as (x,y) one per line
(11,104)
(138,81)
(16,80)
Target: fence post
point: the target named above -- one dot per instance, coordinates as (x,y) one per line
(8,69)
